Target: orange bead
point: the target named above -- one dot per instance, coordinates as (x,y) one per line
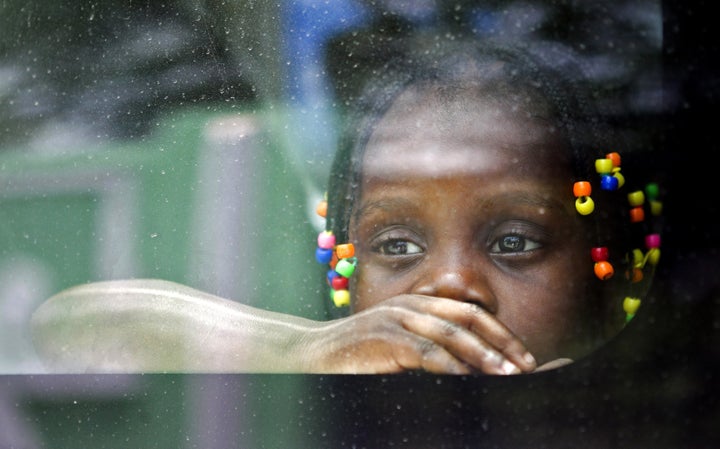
(635,275)
(582,188)
(603,270)
(614,157)
(345,250)
(321,208)
(637,214)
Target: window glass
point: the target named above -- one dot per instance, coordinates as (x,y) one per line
(190,141)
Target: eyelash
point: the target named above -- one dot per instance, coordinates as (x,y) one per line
(522,242)
(525,242)
(382,247)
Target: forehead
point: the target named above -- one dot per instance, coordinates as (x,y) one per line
(441,132)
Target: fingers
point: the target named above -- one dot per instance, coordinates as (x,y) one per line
(467,331)
(553,364)
(445,344)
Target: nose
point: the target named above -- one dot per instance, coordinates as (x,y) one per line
(459,279)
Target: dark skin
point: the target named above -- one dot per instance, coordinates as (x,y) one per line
(471,259)
(469,202)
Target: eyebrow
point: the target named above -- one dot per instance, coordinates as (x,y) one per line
(382,205)
(526,198)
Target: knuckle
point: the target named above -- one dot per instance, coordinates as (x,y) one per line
(426,347)
(473,310)
(449,329)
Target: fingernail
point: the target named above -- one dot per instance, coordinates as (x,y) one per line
(510,368)
(529,358)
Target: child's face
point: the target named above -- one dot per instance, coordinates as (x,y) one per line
(472,201)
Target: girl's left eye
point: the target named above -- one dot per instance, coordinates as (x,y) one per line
(513,243)
(397,247)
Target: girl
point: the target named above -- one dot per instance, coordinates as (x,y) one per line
(480,225)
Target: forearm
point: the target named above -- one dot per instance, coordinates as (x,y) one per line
(159,326)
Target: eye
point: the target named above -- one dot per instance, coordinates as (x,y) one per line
(397,247)
(513,243)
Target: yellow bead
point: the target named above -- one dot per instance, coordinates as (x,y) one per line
(603,166)
(636,198)
(638,259)
(341,298)
(656,208)
(631,305)
(619,176)
(584,205)
(653,256)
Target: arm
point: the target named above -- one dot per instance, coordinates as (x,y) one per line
(160,326)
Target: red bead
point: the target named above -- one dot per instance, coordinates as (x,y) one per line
(599,253)
(340,283)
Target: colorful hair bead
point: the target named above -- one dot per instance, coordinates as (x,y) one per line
(326,240)
(612,179)
(604,166)
(345,251)
(637,214)
(615,158)
(631,306)
(653,256)
(321,208)
(583,204)
(609,182)
(323,255)
(346,267)
(603,269)
(619,176)
(636,198)
(635,275)
(340,258)
(652,190)
(652,241)
(340,283)
(341,298)
(656,208)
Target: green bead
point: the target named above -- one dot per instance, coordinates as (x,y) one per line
(346,267)
(652,190)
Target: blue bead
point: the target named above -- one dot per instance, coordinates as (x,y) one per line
(609,182)
(323,255)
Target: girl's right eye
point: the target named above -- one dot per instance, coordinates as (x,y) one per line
(398,247)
